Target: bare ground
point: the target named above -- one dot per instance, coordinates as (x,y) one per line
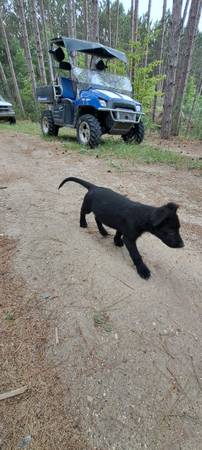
(111,362)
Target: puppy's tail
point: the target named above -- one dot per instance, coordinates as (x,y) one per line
(84,183)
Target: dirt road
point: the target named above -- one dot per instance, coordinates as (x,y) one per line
(126,352)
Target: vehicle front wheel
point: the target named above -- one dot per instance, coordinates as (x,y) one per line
(47,124)
(88,130)
(135,134)
(12,121)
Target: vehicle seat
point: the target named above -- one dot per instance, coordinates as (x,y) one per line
(67,88)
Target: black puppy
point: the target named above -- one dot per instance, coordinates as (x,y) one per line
(129,219)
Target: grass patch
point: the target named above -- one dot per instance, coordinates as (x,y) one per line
(111,148)
(9,316)
(117,151)
(101,319)
(22,126)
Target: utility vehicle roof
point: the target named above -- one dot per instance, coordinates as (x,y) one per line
(92,48)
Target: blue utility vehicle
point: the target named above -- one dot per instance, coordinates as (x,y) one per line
(92,99)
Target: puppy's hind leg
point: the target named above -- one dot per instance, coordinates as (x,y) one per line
(85,209)
(101,229)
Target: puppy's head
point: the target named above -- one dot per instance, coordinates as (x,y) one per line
(166,225)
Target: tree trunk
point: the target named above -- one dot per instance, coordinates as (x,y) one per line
(42,12)
(10,62)
(39,51)
(95,24)
(174,42)
(4,81)
(109,23)
(184,63)
(28,55)
(134,19)
(86,22)
(70,18)
(134,30)
(86,25)
(73,19)
(148,29)
(185,12)
(50,19)
(117,24)
(163,21)
(160,56)
(71,23)
(197,95)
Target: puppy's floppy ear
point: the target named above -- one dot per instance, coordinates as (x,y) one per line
(162,213)
(172,207)
(159,215)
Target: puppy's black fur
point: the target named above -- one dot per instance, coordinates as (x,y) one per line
(129,219)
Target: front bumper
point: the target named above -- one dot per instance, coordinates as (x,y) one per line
(4,115)
(123,115)
(120,120)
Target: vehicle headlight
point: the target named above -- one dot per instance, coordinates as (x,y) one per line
(103,103)
(138,108)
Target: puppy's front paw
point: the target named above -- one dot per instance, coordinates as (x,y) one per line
(104,233)
(83,224)
(118,242)
(143,271)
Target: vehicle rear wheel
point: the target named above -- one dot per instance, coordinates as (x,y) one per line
(12,121)
(88,130)
(47,124)
(135,134)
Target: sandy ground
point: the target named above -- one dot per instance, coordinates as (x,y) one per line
(128,354)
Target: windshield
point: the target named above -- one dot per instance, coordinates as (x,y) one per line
(103,79)
(1,99)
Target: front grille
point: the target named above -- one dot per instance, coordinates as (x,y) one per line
(4,108)
(125,115)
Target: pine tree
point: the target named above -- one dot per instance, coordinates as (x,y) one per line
(38,44)
(117,23)
(28,55)
(184,62)
(42,13)
(95,21)
(160,55)
(174,42)
(10,62)
(148,30)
